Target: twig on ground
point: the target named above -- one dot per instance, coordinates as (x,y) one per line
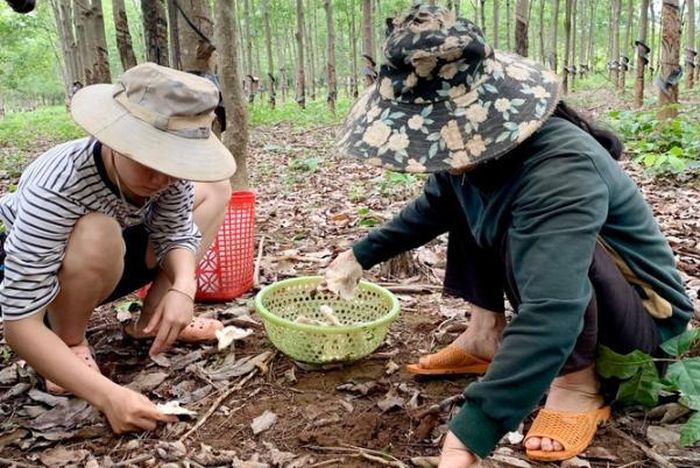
(380,460)
(367,454)
(327,462)
(135,461)
(8,462)
(217,403)
(256,271)
(411,288)
(662,461)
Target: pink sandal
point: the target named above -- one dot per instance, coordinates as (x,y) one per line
(85,354)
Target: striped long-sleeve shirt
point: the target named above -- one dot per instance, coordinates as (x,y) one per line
(62,185)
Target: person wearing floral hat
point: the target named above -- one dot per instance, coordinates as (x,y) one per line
(94,219)
(535,206)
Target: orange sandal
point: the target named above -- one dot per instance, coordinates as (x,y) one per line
(449,360)
(84,353)
(199,330)
(574,431)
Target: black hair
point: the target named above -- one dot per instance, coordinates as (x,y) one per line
(607,139)
(21,6)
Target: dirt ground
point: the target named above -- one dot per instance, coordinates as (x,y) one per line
(310,205)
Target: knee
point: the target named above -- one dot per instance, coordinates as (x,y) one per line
(96,243)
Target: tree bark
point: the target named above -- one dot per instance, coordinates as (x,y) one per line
(354,87)
(311,55)
(509,31)
(495,23)
(670,57)
(235,138)
(567,43)
(543,52)
(121,26)
(155,30)
(624,50)
(102,71)
(583,47)
(591,35)
(521,26)
(63,18)
(642,57)
(300,85)
(174,35)
(690,52)
(248,39)
(652,41)
(268,50)
(615,43)
(367,42)
(554,37)
(330,57)
(574,33)
(196,51)
(482,14)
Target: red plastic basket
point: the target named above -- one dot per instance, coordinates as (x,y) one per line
(226,270)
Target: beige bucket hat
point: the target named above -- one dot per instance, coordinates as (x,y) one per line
(158,117)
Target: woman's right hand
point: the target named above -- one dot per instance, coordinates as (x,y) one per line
(127,411)
(343,275)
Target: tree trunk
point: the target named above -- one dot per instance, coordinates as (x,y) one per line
(268,49)
(367,42)
(652,42)
(509,31)
(309,30)
(495,23)
(330,57)
(63,17)
(300,85)
(354,87)
(567,43)
(482,14)
(554,37)
(624,50)
(155,30)
(591,35)
(174,35)
(690,52)
(615,43)
(81,13)
(574,33)
(642,55)
(521,25)
(583,47)
(96,61)
(196,49)
(121,26)
(670,57)
(543,52)
(400,266)
(235,138)
(248,39)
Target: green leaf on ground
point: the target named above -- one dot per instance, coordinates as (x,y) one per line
(690,432)
(685,375)
(679,345)
(642,388)
(623,366)
(691,401)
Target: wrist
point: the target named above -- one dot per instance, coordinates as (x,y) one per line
(186,287)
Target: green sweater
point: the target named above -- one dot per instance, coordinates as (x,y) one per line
(563,193)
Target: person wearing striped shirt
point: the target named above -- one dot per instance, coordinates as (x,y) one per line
(94,219)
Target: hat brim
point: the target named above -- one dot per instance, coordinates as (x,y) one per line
(199,160)
(514,99)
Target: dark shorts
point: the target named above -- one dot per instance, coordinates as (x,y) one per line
(136,273)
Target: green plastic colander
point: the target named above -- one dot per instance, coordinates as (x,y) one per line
(365,320)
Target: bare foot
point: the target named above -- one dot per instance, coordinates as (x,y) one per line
(576,392)
(483,336)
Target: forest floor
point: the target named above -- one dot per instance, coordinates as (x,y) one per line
(312,204)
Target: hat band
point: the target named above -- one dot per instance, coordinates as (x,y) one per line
(194,127)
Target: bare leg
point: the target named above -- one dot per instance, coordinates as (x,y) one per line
(483,336)
(210,203)
(95,257)
(578,392)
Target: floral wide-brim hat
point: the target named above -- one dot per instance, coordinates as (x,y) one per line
(444,99)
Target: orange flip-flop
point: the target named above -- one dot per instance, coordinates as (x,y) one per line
(574,431)
(199,330)
(449,360)
(84,353)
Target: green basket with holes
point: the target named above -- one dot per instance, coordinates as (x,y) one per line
(364,320)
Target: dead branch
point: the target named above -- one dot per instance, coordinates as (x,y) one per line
(218,403)
(662,461)
(134,461)
(256,271)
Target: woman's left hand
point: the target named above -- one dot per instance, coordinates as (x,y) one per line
(455,455)
(174,313)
